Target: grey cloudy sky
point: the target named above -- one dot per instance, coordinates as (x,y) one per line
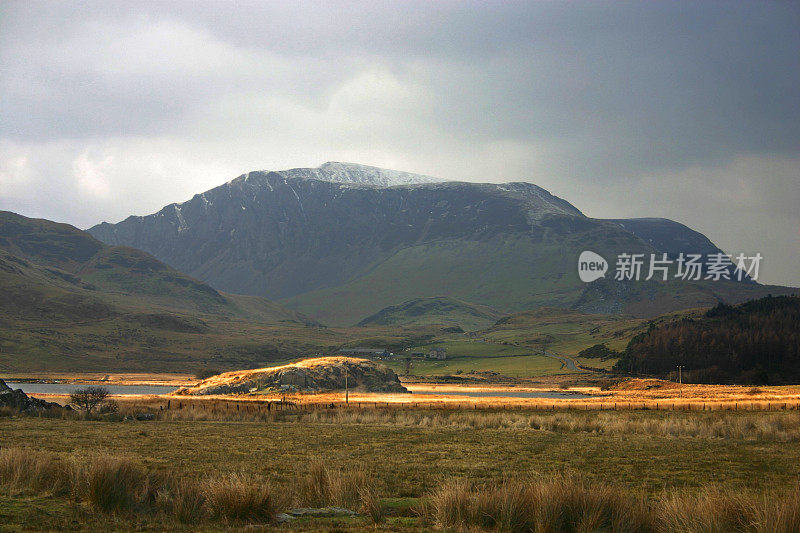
(689,111)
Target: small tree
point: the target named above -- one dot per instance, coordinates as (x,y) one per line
(87,399)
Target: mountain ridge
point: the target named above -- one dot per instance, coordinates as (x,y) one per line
(238,235)
(343,251)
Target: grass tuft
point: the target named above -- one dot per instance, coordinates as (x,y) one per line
(559,504)
(371,502)
(114,484)
(236,497)
(41,472)
(323,486)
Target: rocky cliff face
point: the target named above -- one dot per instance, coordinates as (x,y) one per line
(310,375)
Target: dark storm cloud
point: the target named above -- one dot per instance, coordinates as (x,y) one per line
(666,81)
(99,98)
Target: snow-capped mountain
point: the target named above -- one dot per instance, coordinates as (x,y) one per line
(343,241)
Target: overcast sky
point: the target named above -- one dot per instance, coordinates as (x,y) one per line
(689,111)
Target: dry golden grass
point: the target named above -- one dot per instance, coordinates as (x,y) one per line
(184,500)
(629,394)
(568,504)
(558,504)
(121,486)
(371,502)
(22,469)
(751,425)
(323,485)
(782,427)
(238,497)
(715,510)
(115,484)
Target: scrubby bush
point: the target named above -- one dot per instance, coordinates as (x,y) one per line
(89,398)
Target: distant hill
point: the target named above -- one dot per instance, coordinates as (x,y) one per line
(440,310)
(341,242)
(70,302)
(72,255)
(757,342)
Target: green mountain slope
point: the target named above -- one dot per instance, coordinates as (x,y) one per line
(517,272)
(440,310)
(69,302)
(500,272)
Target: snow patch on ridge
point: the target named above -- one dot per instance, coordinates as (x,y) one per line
(353,173)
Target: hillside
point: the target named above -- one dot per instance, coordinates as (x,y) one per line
(80,260)
(309,375)
(341,242)
(440,310)
(757,342)
(69,302)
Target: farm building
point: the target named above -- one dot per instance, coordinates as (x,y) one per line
(437,353)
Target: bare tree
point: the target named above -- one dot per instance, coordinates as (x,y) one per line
(87,399)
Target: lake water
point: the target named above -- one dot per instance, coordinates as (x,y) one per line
(505,394)
(69,388)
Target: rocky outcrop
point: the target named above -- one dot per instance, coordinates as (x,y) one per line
(309,375)
(19,401)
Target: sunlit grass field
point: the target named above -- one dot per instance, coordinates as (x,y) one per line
(465,356)
(411,454)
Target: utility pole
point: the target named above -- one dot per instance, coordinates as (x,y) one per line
(680,380)
(346,390)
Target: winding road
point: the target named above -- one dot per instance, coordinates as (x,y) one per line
(568,362)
